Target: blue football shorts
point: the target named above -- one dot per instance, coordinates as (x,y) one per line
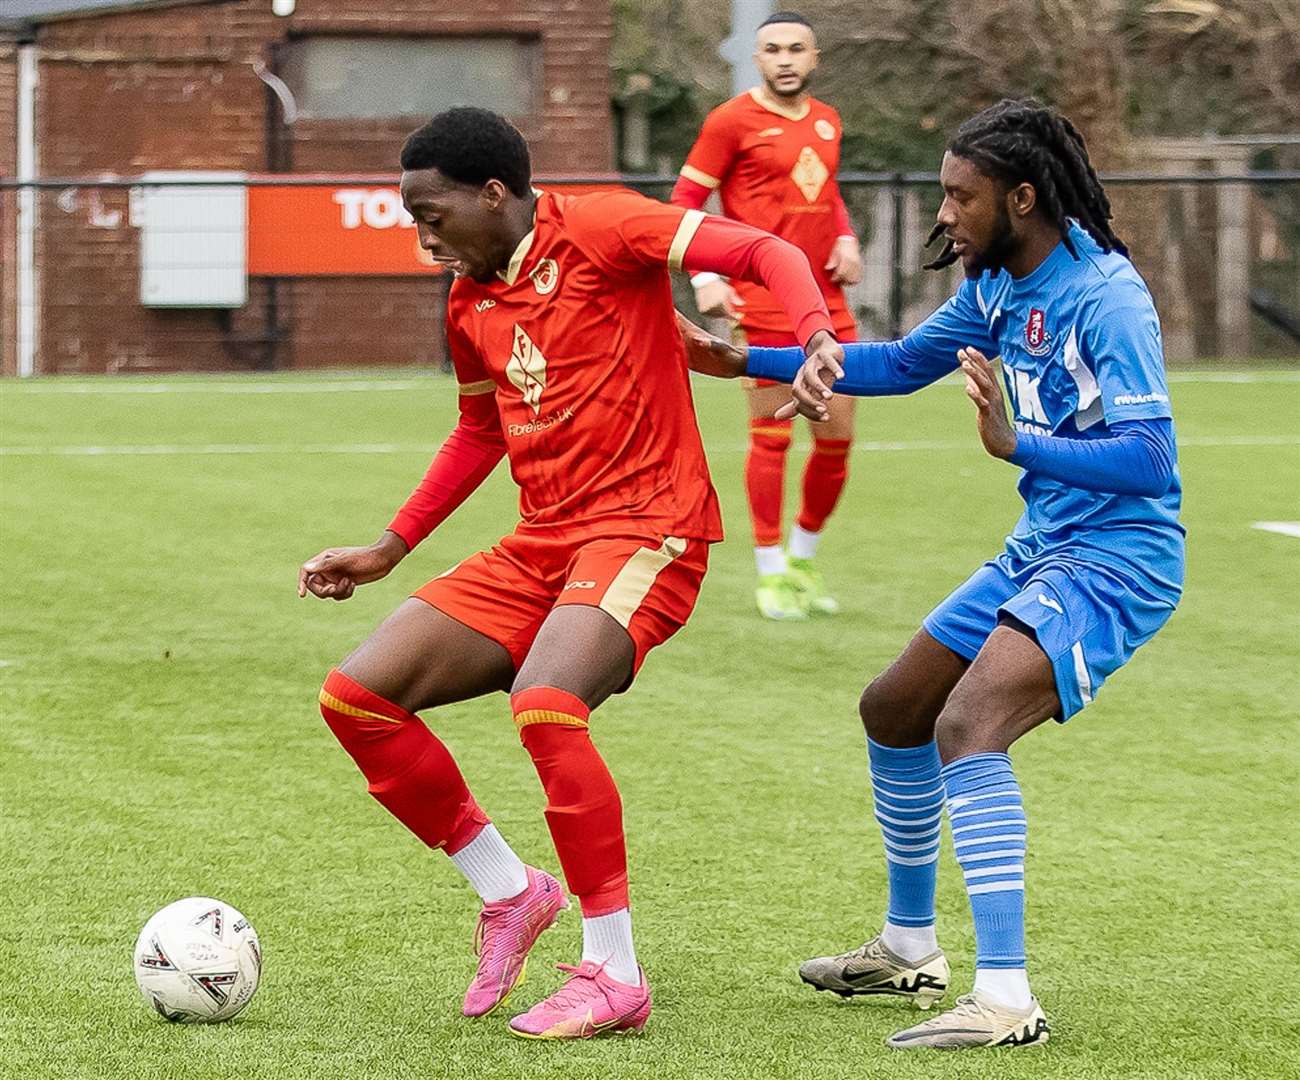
(1088,619)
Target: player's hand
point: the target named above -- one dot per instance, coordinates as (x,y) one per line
(845,263)
(985,389)
(811,389)
(708,354)
(719,299)
(335,573)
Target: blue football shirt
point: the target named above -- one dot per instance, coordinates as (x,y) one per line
(1081,350)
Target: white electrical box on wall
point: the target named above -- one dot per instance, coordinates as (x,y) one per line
(193,240)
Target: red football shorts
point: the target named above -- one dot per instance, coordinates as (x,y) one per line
(648,586)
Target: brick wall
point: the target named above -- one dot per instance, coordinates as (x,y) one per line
(175,88)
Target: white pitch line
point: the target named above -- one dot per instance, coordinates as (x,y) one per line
(1232,376)
(183,449)
(1239,440)
(343,387)
(1286,528)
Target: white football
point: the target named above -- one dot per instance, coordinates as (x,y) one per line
(197,961)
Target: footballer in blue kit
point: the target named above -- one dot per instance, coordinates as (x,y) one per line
(1093,568)
(1095,563)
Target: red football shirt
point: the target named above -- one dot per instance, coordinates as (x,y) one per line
(571,363)
(578,342)
(775,169)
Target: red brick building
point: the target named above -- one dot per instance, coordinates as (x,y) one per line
(126,87)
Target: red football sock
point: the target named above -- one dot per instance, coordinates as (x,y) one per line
(769,441)
(409,770)
(583,809)
(823,481)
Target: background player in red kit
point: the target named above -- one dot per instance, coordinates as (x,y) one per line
(564,339)
(772,154)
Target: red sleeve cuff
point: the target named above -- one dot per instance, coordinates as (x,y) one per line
(843,223)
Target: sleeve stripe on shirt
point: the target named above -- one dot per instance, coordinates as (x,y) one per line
(700,177)
(682,238)
(1090,408)
(483,386)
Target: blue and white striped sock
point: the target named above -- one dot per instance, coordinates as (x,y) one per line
(988,834)
(908,799)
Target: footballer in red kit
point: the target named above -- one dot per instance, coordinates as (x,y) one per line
(771,154)
(571,364)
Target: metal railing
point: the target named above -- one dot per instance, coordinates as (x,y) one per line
(1221,253)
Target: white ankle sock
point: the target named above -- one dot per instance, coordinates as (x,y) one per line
(909,942)
(1006,986)
(802,543)
(770,560)
(607,939)
(491,866)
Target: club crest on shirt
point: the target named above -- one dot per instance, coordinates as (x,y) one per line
(545,275)
(1037,340)
(810,174)
(825,129)
(527,367)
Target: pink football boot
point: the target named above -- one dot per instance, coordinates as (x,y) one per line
(590,1003)
(506,931)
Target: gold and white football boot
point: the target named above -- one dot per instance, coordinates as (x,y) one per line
(975,1020)
(875,969)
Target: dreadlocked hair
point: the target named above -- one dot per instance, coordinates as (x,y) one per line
(1024,141)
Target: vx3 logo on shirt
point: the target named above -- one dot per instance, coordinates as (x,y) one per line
(527,369)
(483,305)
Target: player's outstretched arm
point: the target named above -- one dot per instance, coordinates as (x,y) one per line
(877,368)
(740,251)
(335,573)
(708,354)
(869,369)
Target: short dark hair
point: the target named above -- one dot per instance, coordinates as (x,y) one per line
(471,146)
(785,17)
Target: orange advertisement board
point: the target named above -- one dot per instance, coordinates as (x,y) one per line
(344,229)
(297,231)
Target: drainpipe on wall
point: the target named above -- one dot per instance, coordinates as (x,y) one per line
(28,322)
(281,114)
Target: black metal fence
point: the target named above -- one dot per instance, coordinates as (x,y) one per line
(1220,252)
